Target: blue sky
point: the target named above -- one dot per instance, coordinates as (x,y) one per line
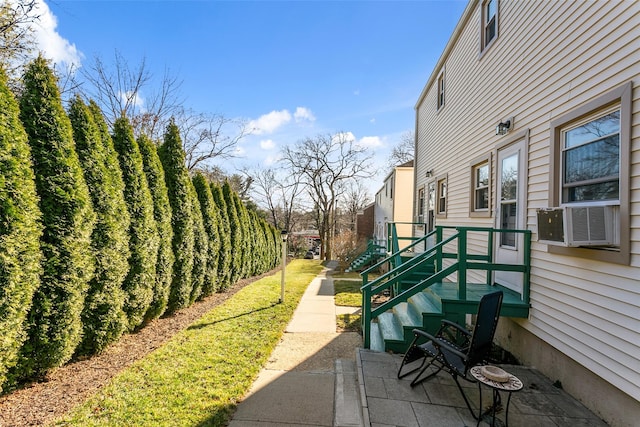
(294,69)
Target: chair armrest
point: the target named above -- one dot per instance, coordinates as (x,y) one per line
(424,334)
(445,322)
(449,347)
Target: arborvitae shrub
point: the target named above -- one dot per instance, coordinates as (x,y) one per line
(55,325)
(236,233)
(103,318)
(244,249)
(178,184)
(210,218)
(162,213)
(200,247)
(20,231)
(143,235)
(225,257)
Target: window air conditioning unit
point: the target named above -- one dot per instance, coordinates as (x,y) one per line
(576,226)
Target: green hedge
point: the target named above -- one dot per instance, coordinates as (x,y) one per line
(178,184)
(143,235)
(210,218)
(20,231)
(103,317)
(55,325)
(162,214)
(225,256)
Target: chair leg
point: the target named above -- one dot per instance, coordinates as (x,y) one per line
(466,400)
(419,378)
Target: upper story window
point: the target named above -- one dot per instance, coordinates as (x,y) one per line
(480,187)
(489,22)
(440,90)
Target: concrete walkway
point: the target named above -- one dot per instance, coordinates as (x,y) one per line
(317,377)
(310,378)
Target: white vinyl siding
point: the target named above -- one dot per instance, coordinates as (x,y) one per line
(539,69)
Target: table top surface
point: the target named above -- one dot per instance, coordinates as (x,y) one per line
(514,383)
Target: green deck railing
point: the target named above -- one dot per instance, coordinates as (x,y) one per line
(464,261)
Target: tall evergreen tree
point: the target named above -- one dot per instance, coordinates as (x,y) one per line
(55,325)
(210,218)
(224,231)
(162,214)
(236,233)
(20,231)
(143,234)
(178,184)
(200,247)
(103,318)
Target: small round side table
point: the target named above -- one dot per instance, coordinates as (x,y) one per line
(512,385)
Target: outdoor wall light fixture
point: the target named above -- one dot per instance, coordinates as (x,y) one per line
(429,173)
(504,127)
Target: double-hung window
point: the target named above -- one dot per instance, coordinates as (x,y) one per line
(480,197)
(590,165)
(591,159)
(441,83)
(489,31)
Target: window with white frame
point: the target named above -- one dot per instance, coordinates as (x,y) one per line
(441,202)
(489,22)
(590,165)
(440,102)
(421,205)
(591,158)
(480,188)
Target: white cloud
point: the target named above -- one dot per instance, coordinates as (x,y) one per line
(138,100)
(373,121)
(371,142)
(52,44)
(271,160)
(303,114)
(268,123)
(267,144)
(344,136)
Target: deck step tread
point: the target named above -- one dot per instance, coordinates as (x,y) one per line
(406,316)
(389,327)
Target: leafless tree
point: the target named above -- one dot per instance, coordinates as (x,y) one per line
(17,42)
(325,165)
(278,194)
(404,151)
(209,136)
(355,198)
(120,90)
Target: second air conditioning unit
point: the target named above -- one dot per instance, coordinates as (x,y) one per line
(576,226)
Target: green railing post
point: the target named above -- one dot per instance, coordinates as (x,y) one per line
(462,263)
(490,255)
(527,263)
(366,316)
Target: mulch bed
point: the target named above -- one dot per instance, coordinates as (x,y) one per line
(64,388)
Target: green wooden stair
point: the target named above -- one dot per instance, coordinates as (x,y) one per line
(421,294)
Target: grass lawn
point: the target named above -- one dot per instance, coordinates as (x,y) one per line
(197,378)
(347,293)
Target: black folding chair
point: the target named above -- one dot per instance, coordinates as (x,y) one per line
(455,349)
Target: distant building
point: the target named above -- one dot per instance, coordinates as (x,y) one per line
(394,203)
(365,223)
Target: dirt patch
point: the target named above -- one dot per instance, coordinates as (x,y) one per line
(64,388)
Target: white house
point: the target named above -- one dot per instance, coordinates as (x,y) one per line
(535,105)
(394,203)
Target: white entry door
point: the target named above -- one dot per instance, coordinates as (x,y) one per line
(511,211)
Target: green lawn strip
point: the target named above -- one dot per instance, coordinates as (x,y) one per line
(347,293)
(198,376)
